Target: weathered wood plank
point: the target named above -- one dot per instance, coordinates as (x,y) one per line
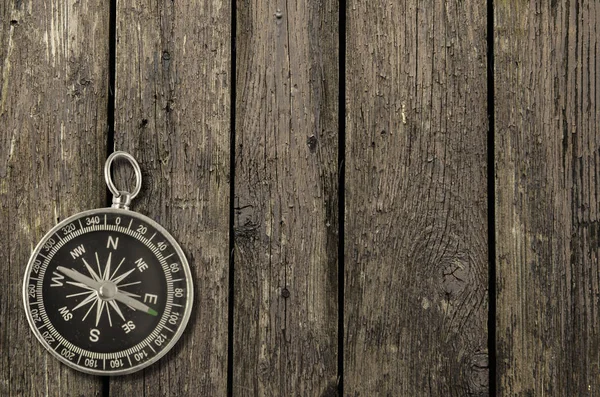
(173,114)
(547,144)
(286,226)
(53,96)
(416,272)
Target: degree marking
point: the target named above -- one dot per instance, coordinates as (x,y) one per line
(152,237)
(167,257)
(130,222)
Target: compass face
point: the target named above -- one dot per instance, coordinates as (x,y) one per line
(108,291)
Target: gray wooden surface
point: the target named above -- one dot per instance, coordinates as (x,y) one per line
(53,96)
(285,322)
(172,113)
(415,265)
(416,224)
(547,143)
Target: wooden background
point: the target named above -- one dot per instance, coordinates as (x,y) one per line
(376,198)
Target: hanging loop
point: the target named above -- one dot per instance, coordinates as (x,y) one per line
(122,198)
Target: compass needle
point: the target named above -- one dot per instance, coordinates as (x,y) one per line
(137,305)
(80,285)
(140,278)
(75,275)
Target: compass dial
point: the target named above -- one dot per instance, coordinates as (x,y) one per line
(108,291)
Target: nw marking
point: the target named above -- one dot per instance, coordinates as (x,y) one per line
(78,251)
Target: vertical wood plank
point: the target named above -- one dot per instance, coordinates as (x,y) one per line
(547,155)
(173,114)
(416,268)
(53,96)
(286,226)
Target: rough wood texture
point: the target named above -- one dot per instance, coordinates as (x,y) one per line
(53,95)
(547,148)
(416,272)
(172,113)
(286,227)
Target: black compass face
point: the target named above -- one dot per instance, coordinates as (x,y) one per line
(108,291)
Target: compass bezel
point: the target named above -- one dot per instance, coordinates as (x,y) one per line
(189,293)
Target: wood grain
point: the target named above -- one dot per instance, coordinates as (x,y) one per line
(173,114)
(53,95)
(416,272)
(547,155)
(286,226)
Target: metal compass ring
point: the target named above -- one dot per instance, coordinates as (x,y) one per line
(136,168)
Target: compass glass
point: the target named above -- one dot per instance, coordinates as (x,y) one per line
(108,291)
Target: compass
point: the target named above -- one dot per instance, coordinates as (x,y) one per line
(108,291)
